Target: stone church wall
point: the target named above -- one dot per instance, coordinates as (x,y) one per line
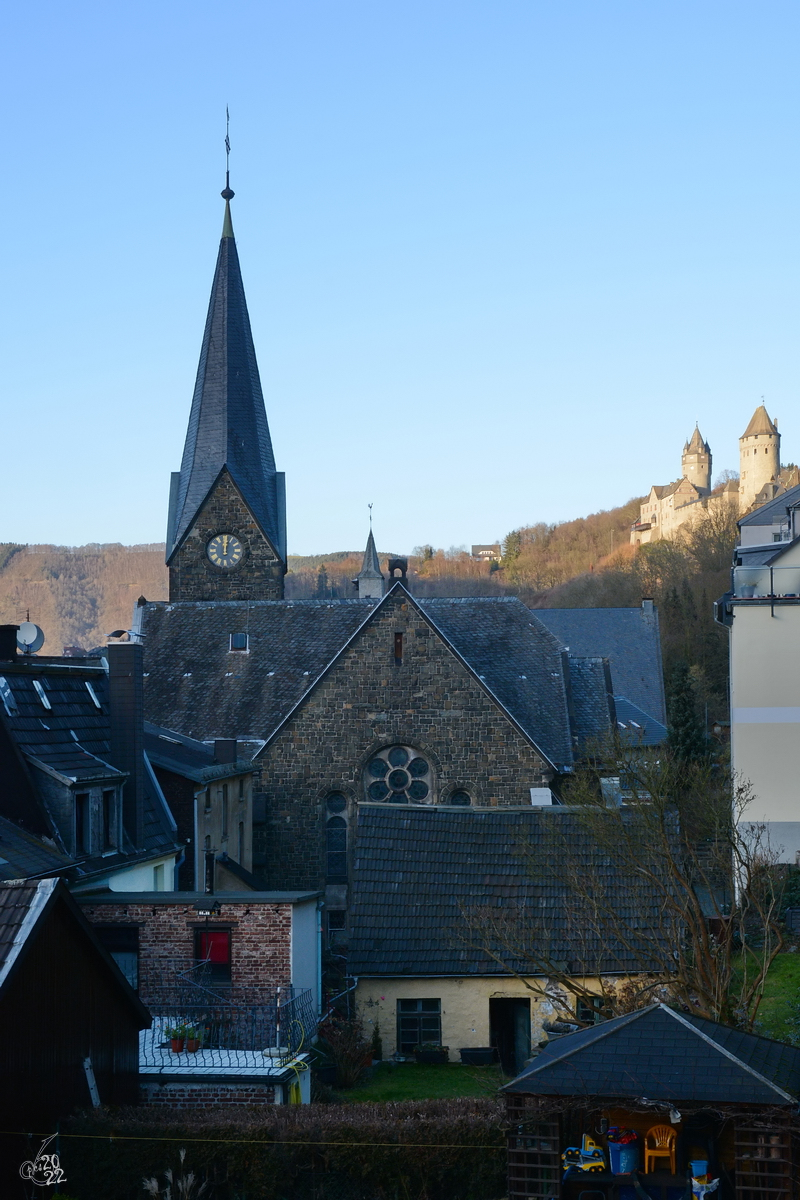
(430,701)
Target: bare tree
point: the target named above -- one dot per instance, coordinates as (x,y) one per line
(658,888)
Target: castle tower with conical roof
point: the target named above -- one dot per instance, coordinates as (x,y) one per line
(759,457)
(226,534)
(369,579)
(696,462)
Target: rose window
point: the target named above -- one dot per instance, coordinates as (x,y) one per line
(399,775)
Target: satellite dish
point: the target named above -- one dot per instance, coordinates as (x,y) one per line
(29,637)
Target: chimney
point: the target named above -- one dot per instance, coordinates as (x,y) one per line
(647,606)
(126,702)
(8,642)
(225,750)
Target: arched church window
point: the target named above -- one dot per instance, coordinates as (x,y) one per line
(460,797)
(399,775)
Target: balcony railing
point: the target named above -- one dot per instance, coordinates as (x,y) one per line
(204,1032)
(754,583)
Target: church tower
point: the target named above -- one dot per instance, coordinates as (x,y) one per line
(759,457)
(696,462)
(226,531)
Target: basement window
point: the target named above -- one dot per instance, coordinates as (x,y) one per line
(240,641)
(42,694)
(93,694)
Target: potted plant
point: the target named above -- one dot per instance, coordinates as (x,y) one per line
(192,1039)
(430,1052)
(176,1035)
(377,1044)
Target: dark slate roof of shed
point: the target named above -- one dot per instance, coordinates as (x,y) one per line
(193,681)
(628,637)
(667,1056)
(417,870)
(228,422)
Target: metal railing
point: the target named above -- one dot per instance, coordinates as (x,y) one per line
(199,1029)
(766,582)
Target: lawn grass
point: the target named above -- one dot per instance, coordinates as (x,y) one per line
(425,1081)
(781,995)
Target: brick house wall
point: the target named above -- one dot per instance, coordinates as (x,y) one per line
(261,938)
(257,576)
(180,1096)
(366,701)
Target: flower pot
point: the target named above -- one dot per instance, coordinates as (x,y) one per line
(477,1056)
(431,1056)
(176,1045)
(192,1045)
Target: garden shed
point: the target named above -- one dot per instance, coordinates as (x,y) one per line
(688,1091)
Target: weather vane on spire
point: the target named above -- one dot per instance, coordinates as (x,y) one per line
(227,194)
(369,506)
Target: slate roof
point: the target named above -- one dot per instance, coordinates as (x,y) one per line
(592,703)
(15,906)
(188,757)
(194,683)
(371,567)
(667,1056)
(73,739)
(696,443)
(228,421)
(418,870)
(628,637)
(637,726)
(22,855)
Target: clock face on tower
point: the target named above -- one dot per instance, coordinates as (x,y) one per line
(224,551)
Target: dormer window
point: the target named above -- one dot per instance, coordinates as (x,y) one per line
(240,641)
(42,694)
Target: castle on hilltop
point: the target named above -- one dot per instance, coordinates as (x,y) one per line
(689,499)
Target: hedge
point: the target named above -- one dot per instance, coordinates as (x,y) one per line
(416,1150)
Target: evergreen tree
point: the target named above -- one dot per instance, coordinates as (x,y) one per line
(685,734)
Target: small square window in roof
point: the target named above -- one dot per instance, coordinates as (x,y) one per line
(7,696)
(93,694)
(42,694)
(240,641)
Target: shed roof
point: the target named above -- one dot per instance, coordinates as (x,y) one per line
(668,1056)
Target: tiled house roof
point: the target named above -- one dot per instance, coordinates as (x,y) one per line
(667,1056)
(628,637)
(419,871)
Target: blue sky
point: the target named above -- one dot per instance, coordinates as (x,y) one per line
(499,256)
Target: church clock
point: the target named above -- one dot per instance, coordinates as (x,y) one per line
(224,551)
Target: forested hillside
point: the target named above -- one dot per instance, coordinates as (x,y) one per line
(79,594)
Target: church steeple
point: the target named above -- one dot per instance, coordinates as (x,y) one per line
(227,487)
(369,580)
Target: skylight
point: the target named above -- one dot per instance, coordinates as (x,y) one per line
(93,694)
(7,696)
(42,694)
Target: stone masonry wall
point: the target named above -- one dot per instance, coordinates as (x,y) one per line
(261,937)
(366,702)
(257,576)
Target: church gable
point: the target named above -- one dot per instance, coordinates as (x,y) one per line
(396,708)
(225,555)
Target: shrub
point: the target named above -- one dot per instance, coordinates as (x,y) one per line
(425,1150)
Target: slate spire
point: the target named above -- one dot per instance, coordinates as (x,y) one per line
(228,422)
(369,580)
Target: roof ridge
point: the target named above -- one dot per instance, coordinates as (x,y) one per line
(728,1053)
(603,1031)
